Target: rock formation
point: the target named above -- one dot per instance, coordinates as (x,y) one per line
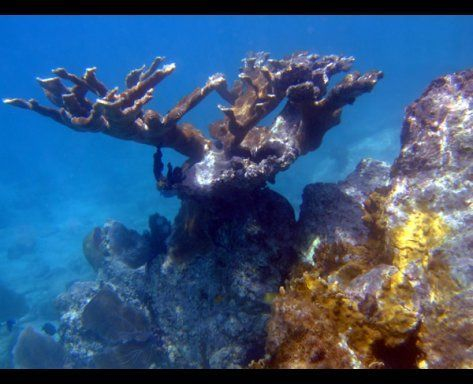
(201,302)
(398,292)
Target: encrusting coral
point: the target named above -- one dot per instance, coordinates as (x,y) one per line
(243,155)
(397,295)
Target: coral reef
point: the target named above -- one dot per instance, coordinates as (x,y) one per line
(243,155)
(106,323)
(206,307)
(398,293)
(219,265)
(376,273)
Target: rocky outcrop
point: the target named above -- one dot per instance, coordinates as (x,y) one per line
(396,294)
(107,323)
(212,303)
(201,303)
(430,208)
(332,213)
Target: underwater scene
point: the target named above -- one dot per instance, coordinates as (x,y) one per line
(236,192)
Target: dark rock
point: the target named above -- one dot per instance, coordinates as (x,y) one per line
(202,304)
(368,175)
(209,296)
(333,213)
(160,229)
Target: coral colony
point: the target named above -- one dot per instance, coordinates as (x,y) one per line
(376,273)
(242,155)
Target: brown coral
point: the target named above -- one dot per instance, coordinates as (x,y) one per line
(243,155)
(120,114)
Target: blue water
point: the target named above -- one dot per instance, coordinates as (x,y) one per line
(56,184)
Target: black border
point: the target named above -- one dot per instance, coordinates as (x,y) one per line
(234,7)
(238,376)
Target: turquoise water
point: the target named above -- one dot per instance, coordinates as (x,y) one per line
(57,184)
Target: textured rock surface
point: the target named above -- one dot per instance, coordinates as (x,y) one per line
(106,323)
(115,239)
(202,304)
(212,305)
(333,212)
(431,201)
(402,297)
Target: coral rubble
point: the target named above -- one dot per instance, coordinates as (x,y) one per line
(396,294)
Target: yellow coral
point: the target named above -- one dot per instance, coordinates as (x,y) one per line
(423,230)
(350,326)
(396,317)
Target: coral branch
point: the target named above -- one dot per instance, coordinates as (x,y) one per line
(243,155)
(190,101)
(121,115)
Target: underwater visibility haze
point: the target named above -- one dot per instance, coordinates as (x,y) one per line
(266,192)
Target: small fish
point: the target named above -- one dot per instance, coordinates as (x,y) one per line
(49,328)
(10,324)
